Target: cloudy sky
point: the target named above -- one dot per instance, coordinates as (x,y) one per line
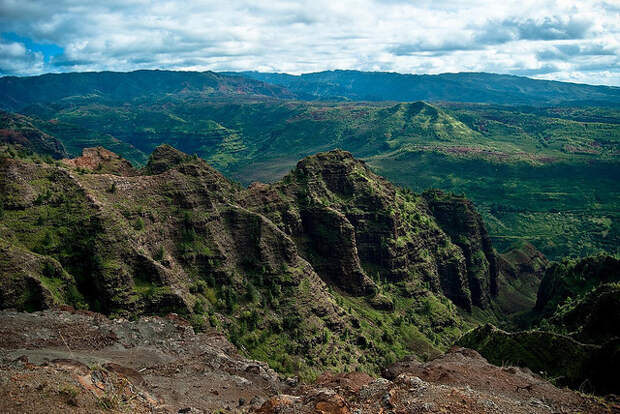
(553,39)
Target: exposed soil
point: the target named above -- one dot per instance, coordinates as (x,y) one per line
(81,362)
(162,363)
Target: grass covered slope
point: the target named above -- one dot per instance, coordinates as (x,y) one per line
(331,268)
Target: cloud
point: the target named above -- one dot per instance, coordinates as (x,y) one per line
(541,38)
(546,28)
(569,51)
(16,59)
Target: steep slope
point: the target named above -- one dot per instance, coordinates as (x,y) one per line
(391,232)
(458,217)
(333,267)
(455,87)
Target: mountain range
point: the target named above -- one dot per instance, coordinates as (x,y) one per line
(447,87)
(19,92)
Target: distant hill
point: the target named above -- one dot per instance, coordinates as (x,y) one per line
(453,87)
(18,130)
(19,92)
(157,86)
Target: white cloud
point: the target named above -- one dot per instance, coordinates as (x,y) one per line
(15,58)
(545,38)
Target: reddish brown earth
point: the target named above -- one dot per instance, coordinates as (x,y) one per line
(81,362)
(460,382)
(100,159)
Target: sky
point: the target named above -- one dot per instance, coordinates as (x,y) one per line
(577,41)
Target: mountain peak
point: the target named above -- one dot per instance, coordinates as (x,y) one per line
(329,157)
(165,157)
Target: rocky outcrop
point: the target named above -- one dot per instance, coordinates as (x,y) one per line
(103,161)
(163,158)
(353,225)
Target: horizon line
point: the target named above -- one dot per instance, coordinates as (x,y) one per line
(241,72)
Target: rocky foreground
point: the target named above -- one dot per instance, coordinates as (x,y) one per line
(82,362)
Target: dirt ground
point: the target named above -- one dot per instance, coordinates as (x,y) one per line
(82,362)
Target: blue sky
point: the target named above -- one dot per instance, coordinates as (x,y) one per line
(550,39)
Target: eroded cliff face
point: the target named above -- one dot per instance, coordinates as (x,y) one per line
(458,217)
(344,216)
(296,266)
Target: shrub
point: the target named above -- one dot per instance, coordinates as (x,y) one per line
(70,393)
(139,224)
(209,294)
(199,306)
(200,286)
(251,293)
